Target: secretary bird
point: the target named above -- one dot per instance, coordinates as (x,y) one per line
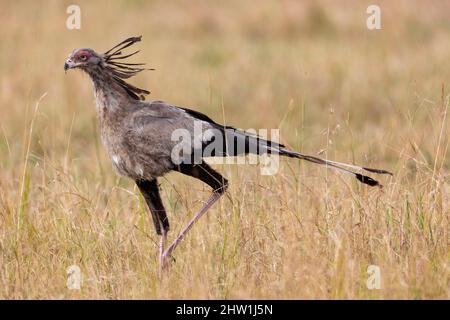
(138,137)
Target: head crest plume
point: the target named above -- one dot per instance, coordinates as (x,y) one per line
(122,70)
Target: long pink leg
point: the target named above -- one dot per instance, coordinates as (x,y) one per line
(162,241)
(211,200)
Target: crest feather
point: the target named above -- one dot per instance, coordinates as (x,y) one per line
(123,70)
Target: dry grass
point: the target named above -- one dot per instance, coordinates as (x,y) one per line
(378,98)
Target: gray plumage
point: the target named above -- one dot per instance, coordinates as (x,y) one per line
(138,136)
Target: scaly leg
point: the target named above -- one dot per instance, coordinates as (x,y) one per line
(150,191)
(219,185)
(212,199)
(162,241)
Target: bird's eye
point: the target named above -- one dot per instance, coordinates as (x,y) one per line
(83,58)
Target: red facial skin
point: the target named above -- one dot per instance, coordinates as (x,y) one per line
(79,56)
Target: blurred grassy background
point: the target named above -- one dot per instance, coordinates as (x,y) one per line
(310,68)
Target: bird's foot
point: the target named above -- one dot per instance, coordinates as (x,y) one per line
(165,260)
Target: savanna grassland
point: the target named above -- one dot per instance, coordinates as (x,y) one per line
(309,68)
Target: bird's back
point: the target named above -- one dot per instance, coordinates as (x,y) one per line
(141,140)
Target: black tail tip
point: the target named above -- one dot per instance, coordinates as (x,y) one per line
(367,180)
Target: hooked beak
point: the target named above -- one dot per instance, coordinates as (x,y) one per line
(68,64)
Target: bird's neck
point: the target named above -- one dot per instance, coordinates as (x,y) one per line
(110,97)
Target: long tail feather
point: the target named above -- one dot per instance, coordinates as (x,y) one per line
(240,142)
(343,167)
